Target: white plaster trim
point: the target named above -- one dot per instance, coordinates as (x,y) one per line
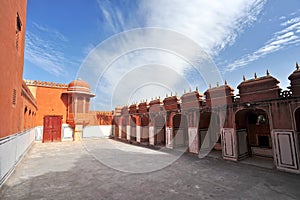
(12,150)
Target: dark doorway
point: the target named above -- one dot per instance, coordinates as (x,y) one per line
(263,141)
(52,128)
(116,123)
(159,131)
(253,133)
(133,128)
(124,127)
(180,133)
(145,129)
(203,128)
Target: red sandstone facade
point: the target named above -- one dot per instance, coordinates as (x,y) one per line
(49,99)
(69,101)
(18,106)
(262,120)
(25,104)
(16,103)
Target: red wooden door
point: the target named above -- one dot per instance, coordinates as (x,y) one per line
(52,128)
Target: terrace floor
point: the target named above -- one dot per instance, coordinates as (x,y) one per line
(108,169)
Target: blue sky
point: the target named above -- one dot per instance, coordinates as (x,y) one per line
(240,36)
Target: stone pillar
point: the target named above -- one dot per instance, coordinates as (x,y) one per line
(138,133)
(193,132)
(151,135)
(78,132)
(120,131)
(169,130)
(151,129)
(138,129)
(128,131)
(113,130)
(169,138)
(193,140)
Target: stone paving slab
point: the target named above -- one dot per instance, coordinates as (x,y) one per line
(102,169)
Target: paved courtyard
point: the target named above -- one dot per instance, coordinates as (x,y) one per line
(108,169)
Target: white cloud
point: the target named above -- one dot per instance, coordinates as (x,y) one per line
(44,48)
(291,21)
(282,17)
(213,25)
(288,34)
(56,34)
(135,59)
(286,37)
(112,14)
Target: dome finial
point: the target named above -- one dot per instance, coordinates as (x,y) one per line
(217,83)
(255,75)
(196,88)
(297,66)
(268,73)
(244,78)
(225,82)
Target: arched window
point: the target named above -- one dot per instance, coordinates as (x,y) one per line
(72,104)
(18,30)
(87,105)
(25,118)
(80,104)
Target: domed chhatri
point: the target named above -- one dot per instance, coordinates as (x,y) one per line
(79,82)
(79,86)
(79,95)
(295,81)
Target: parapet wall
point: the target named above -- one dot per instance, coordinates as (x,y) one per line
(45,84)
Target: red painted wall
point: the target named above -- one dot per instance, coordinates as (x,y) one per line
(29,110)
(50,101)
(11,66)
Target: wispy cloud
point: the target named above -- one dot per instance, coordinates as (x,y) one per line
(213,25)
(45,48)
(113,15)
(55,33)
(288,36)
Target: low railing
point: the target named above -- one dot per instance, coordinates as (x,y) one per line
(286,94)
(14,146)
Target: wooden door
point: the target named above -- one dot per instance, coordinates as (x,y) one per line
(228,143)
(52,128)
(243,144)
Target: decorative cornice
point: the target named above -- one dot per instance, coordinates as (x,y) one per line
(45,84)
